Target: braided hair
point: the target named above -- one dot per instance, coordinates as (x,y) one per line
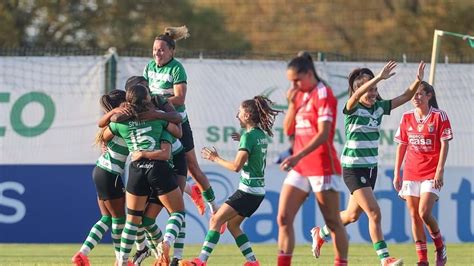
(261,112)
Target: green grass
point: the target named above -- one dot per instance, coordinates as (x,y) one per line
(359,254)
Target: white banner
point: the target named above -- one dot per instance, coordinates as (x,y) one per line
(217,87)
(49,108)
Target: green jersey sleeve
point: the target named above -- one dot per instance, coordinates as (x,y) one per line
(145,72)
(387,106)
(179,74)
(166,136)
(246,143)
(113,128)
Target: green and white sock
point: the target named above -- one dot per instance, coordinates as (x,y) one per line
(209,244)
(325,233)
(117,227)
(210,199)
(382,250)
(96,234)
(243,243)
(173,226)
(128,238)
(153,233)
(140,240)
(179,243)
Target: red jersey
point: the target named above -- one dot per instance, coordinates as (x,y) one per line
(312,107)
(423,139)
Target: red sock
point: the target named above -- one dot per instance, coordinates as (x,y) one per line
(421,250)
(438,240)
(340,262)
(284,259)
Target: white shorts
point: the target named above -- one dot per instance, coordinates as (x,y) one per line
(315,183)
(416,188)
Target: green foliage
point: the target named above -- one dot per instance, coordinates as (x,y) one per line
(372,27)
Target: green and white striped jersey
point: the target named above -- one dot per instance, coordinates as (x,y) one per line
(362,126)
(113,160)
(162,79)
(252,179)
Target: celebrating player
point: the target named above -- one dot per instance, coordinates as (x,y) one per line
(255,116)
(363,115)
(167,77)
(107,176)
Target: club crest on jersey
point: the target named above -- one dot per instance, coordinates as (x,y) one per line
(431,128)
(420,128)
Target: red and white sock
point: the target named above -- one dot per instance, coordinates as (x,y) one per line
(421,250)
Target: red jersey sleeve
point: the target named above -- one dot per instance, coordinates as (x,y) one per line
(326,105)
(401,135)
(445,131)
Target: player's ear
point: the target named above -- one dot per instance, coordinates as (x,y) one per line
(247,116)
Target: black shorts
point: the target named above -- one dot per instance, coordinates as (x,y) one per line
(244,203)
(187,138)
(180,165)
(153,198)
(109,186)
(356,178)
(147,175)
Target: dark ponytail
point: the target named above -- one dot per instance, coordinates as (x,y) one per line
(356,80)
(428,89)
(112,100)
(108,102)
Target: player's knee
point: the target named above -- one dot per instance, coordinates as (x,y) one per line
(284,220)
(333,223)
(425,215)
(414,214)
(353,217)
(233,226)
(374,214)
(214,221)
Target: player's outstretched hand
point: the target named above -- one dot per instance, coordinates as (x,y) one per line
(209,153)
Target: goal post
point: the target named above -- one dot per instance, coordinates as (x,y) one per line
(436,47)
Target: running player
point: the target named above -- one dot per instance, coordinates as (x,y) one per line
(256,117)
(166,77)
(313,166)
(363,115)
(423,136)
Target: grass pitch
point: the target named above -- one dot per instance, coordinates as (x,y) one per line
(227,254)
